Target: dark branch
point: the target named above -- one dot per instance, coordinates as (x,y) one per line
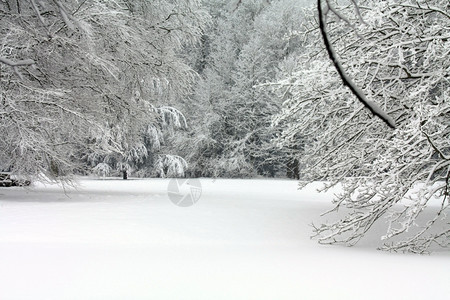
(372,106)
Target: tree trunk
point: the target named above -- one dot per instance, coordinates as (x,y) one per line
(293,169)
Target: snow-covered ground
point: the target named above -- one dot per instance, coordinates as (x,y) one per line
(244,239)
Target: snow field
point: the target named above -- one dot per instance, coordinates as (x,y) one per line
(244,239)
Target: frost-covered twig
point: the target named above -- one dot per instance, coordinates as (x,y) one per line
(419,243)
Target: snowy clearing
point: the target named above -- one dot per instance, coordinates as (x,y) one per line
(244,239)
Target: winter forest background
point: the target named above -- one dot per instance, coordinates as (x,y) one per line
(237,89)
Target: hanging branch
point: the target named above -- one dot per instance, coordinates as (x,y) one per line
(372,106)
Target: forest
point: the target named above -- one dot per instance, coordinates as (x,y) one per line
(239,89)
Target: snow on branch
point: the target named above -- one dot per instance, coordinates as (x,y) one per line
(25,62)
(67,18)
(39,15)
(168,165)
(372,106)
(171,116)
(14,65)
(102,169)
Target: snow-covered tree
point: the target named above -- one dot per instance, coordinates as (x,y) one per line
(82,78)
(396,53)
(143,149)
(243,47)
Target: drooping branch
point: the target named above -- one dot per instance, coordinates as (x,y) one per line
(370,105)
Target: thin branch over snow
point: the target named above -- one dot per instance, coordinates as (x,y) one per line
(372,106)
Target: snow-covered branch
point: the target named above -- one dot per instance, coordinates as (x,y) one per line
(398,175)
(15,64)
(25,62)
